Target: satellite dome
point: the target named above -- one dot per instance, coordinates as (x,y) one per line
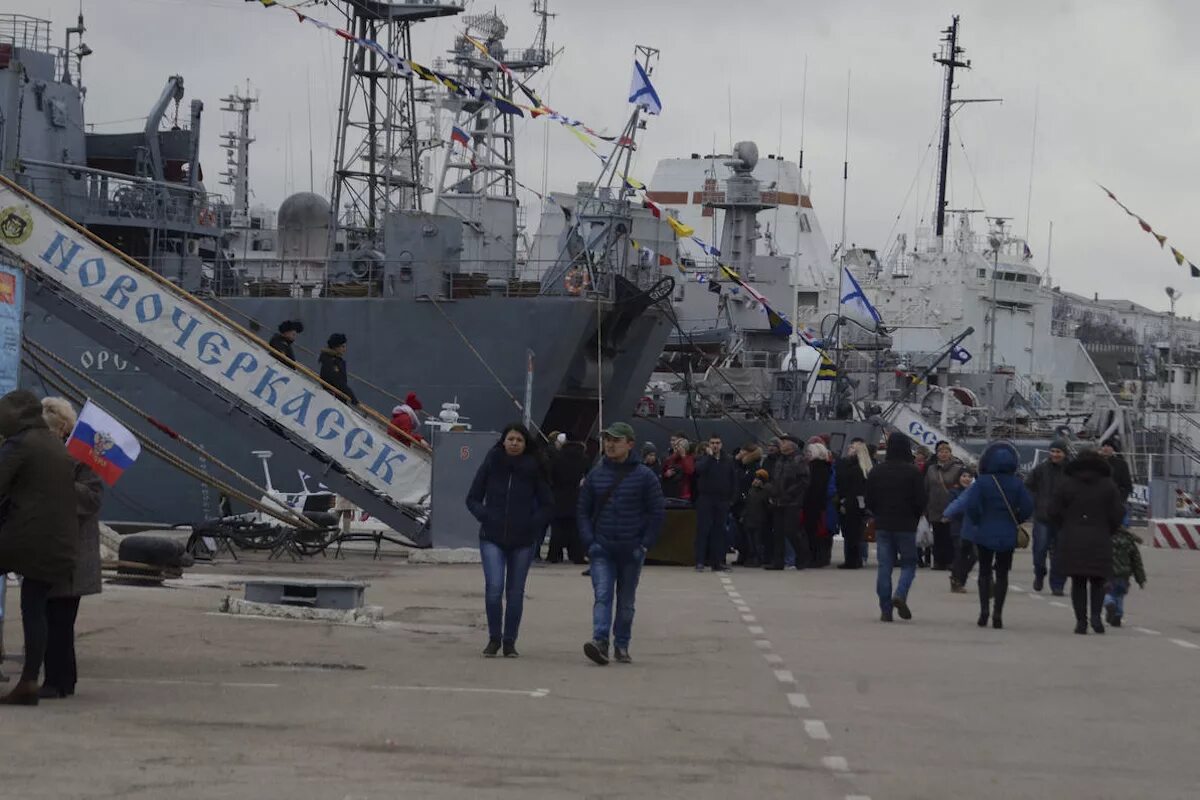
(303,221)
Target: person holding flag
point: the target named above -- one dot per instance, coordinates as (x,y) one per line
(39,537)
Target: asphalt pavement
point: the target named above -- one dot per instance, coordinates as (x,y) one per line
(748,684)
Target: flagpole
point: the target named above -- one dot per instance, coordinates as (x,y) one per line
(837,325)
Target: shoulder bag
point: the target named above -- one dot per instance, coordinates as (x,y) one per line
(1023,537)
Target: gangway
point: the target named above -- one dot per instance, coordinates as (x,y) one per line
(184,343)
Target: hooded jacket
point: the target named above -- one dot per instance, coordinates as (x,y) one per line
(333,372)
(1087,509)
(1127,558)
(39,534)
(631,517)
(896,489)
(405,418)
(989,499)
(511,499)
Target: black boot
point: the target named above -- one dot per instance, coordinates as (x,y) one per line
(985,599)
(1081,626)
(493,647)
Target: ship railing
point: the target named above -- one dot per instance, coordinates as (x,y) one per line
(22,30)
(91,193)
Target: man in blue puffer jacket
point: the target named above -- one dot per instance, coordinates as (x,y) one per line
(620,514)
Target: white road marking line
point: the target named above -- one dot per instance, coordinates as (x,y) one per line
(735,594)
(835,763)
(726,580)
(1058,604)
(749,618)
(762,644)
(816,729)
(857,797)
(1015,588)
(757,630)
(773,658)
(465,690)
(173,682)
(1186,643)
(1033,596)
(798,700)
(784,676)
(1148,631)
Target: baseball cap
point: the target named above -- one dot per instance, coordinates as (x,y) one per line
(619,430)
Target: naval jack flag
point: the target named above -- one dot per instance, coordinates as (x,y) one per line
(102,443)
(642,92)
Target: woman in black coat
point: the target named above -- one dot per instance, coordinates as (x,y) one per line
(39,535)
(815,501)
(1087,509)
(851,480)
(511,498)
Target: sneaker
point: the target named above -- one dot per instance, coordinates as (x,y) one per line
(722,568)
(885,616)
(493,647)
(1057,592)
(699,568)
(597,651)
(510,649)
(956,587)
(587,572)
(621,654)
(901,606)
(1038,583)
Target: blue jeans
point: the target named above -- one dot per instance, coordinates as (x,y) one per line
(1117,589)
(614,572)
(504,574)
(1044,539)
(887,544)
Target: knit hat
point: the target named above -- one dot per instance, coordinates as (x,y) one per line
(413,401)
(762,474)
(649,448)
(289,325)
(336,340)
(1060,444)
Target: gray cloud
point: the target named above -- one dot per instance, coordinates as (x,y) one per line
(1115,82)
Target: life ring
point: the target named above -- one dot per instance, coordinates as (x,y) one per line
(646,407)
(576,281)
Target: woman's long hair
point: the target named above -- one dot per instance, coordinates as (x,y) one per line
(864,458)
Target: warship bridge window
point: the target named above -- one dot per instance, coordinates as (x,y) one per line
(983,273)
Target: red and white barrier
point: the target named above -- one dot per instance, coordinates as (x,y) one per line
(1176,534)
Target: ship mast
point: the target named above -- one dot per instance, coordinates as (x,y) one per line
(236,144)
(949,58)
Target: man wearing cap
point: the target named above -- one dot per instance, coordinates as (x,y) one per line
(1042,483)
(333,368)
(282,341)
(620,516)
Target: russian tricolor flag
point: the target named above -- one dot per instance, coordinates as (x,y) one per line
(457,134)
(103,443)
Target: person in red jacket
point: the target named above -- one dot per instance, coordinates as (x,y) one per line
(404,417)
(678,470)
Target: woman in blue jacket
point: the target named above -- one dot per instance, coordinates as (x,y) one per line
(511,498)
(995,504)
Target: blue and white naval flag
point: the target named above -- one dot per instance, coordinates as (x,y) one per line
(641,91)
(854,302)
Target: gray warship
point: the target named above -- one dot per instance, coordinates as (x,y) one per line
(430,285)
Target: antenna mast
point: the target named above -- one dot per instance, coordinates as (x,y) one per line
(949,58)
(237,149)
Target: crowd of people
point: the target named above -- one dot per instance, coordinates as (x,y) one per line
(780,504)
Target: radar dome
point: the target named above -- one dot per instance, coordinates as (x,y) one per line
(747,153)
(303,221)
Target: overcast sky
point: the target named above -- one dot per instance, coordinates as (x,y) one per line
(1115,86)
